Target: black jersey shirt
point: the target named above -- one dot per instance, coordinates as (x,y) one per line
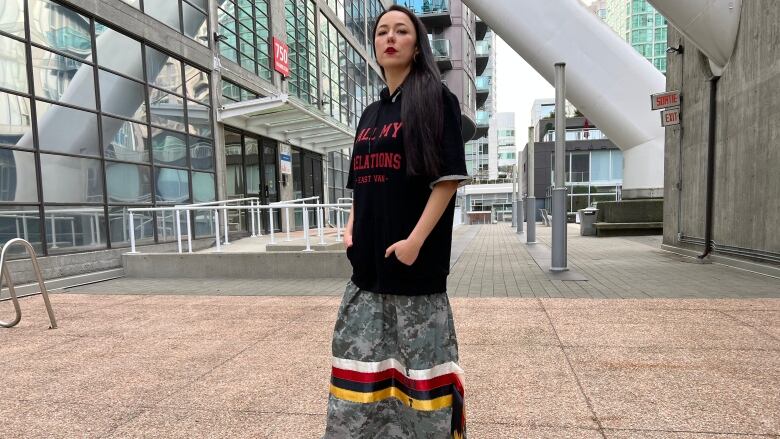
(388,203)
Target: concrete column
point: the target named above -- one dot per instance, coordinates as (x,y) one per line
(558,262)
(220,165)
(530,201)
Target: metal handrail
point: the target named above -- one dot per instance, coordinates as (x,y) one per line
(254,210)
(5,272)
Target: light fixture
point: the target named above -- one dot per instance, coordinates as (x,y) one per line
(678,49)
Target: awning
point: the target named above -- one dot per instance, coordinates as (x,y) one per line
(288,120)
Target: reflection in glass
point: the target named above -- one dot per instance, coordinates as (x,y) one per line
(201,154)
(166,110)
(252,165)
(203,189)
(121,96)
(198,117)
(165,11)
(12,17)
(269,165)
(20,222)
(163,71)
(234,166)
(172,185)
(15,167)
(130,143)
(80,126)
(13,65)
(166,225)
(119,226)
(70,229)
(71,180)
(63,79)
(60,28)
(118,52)
(128,183)
(14,120)
(195,24)
(197,83)
(168,147)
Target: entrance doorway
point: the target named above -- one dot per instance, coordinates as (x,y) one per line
(251,171)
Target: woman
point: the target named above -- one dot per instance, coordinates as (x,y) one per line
(395,372)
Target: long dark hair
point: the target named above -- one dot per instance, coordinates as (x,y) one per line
(421,105)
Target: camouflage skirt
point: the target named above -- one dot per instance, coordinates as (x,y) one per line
(395,373)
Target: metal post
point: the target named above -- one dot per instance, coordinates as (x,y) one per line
(518,199)
(321,221)
(271,225)
(177,216)
(287,221)
(189,233)
(252,214)
(338,224)
(558,262)
(216,229)
(306,227)
(24,227)
(132,232)
(513,198)
(530,201)
(225,221)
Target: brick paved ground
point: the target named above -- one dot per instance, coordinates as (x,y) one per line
(160,366)
(130,361)
(492,262)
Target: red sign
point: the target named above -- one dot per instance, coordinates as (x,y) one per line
(665,100)
(670,117)
(281,60)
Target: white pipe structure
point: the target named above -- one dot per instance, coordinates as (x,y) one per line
(606,78)
(711,25)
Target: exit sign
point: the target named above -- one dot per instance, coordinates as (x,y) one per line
(670,117)
(665,100)
(281,57)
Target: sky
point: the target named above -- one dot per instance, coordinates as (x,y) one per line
(518,84)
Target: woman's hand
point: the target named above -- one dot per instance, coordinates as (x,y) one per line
(348,237)
(405,251)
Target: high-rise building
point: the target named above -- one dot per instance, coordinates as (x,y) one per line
(451,28)
(641,26)
(478,153)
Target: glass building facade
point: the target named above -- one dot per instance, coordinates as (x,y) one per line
(96,118)
(641,26)
(92,122)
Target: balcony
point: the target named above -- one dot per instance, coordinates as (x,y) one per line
(482,122)
(483,89)
(577,134)
(483,54)
(482,29)
(433,13)
(442,50)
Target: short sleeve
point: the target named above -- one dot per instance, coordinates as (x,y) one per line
(453,152)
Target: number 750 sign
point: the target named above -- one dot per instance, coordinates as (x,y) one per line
(281,60)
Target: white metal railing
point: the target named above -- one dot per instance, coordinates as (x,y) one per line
(577,134)
(255,212)
(5,272)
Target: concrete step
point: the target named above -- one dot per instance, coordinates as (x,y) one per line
(64,282)
(265,265)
